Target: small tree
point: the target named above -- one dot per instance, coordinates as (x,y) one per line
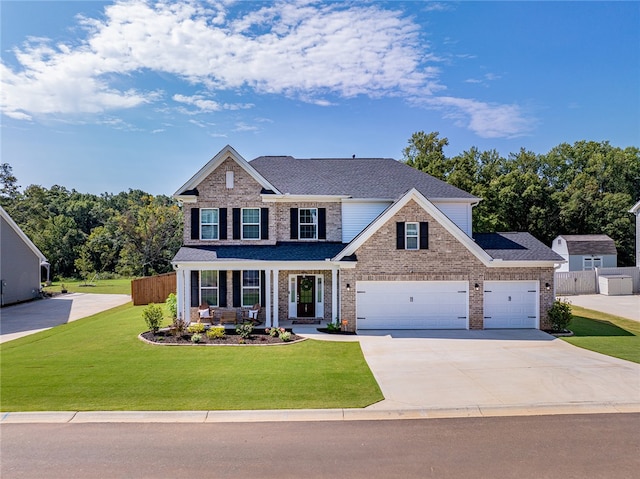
(559,315)
(153,316)
(172,306)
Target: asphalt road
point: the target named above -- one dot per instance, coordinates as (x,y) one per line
(574,446)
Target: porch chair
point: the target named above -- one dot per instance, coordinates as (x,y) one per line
(253,313)
(204,314)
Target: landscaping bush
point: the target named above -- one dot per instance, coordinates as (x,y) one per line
(216,332)
(196,338)
(195,328)
(153,316)
(172,305)
(559,315)
(245,330)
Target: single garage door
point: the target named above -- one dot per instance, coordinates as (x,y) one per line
(412,304)
(511,304)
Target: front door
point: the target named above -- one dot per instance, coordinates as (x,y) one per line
(306,296)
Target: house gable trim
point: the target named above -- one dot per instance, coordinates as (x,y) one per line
(186,192)
(14,226)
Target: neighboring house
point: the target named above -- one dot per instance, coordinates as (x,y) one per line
(586,252)
(636,211)
(20,263)
(372,242)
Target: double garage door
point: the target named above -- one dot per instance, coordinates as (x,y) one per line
(443,304)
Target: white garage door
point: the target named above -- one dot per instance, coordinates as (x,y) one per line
(511,304)
(412,304)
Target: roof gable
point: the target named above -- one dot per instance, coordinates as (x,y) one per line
(22,235)
(189,189)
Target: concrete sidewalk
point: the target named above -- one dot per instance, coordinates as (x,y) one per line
(28,318)
(627,306)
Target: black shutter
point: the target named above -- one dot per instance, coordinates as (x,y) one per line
(424,235)
(264,223)
(195,289)
(222,289)
(400,235)
(294,223)
(237,290)
(195,224)
(236,223)
(322,223)
(223,224)
(263,288)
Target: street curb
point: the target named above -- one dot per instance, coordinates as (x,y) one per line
(310,415)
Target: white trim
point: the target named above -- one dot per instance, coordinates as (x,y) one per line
(287,198)
(292,306)
(14,226)
(215,162)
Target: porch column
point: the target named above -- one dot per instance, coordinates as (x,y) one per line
(181,293)
(276,320)
(334,295)
(267,300)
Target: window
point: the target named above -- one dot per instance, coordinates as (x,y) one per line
(229,179)
(250,288)
(592,263)
(209,223)
(308,223)
(209,287)
(250,223)
(411,236)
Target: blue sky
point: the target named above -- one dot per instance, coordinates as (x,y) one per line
(107,96)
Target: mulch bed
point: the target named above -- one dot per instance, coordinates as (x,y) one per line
(333,331)
(231,338)
(564,333)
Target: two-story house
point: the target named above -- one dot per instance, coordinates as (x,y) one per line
(368,240)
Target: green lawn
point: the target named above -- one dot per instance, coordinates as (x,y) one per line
(98,286)
(605,333)
(98,363)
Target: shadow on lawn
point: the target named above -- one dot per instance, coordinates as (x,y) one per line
(583,327)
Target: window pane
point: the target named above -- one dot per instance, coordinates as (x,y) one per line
(209,216)
(251,215)
(319,289)
(412,242)
(251,231)
(307,232)
(308,215)
(209,231)
(208,279)
(210,295)
(412,229)
(250,296)
(251,278)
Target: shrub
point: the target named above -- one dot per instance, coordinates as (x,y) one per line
(196,328)
(285,336)
(559,315)
(273,332)
(153,316)
(178,326)
(196,338)
(172,305)
(245,330)
(333,327)
(216,332)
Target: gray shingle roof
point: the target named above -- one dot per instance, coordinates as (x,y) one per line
(590,244)
(515,247)
(356,177)
(284,251)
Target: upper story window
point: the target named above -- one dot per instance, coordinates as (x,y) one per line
(250,223)
(411,236)
(308,223)
(209,224)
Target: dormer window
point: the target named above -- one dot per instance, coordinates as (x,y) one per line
(209,224)
(308,223)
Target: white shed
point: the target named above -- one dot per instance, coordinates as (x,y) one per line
(585,252)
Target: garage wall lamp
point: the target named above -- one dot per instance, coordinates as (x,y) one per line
(547,286)
(348,287)
(477,287)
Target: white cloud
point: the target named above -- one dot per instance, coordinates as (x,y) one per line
(310,51)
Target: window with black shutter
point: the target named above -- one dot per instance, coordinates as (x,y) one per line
(294,222)
(195,224)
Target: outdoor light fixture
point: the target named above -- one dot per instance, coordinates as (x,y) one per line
(348,287)
(477,286)
(547,286)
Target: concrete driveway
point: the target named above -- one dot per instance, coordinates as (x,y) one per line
(624,306)
(481,371)
(28,318)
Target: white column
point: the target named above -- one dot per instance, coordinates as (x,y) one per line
(181,293)
(276,320)
(334,295)
(267,300)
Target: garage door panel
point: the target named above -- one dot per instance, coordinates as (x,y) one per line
(510,304)
(412,305)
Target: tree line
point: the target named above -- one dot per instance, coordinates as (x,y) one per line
(584,188)
(130,233)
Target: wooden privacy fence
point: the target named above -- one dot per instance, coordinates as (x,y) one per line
(586,282)
(153,289)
